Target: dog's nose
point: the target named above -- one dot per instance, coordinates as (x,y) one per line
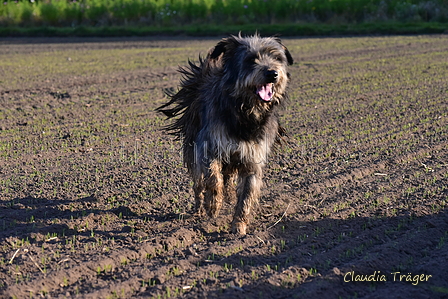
(271,76)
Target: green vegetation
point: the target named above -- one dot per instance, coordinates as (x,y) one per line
(143,17)
(265,29)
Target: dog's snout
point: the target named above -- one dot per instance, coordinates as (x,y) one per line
(271,76)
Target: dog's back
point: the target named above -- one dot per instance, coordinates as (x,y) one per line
(186,105)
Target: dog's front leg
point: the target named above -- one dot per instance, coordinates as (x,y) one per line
(248,192)
(229,188)
(214,189)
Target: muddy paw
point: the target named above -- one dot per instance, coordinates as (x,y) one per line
(239,228)
(199,212)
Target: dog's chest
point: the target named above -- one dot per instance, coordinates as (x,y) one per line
(227,148)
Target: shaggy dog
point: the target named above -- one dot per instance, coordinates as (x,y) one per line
(228,122)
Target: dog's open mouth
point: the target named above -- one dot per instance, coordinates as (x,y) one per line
(266,92)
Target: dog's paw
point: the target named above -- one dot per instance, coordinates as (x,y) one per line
(239,228)
(199,212)
(213,212)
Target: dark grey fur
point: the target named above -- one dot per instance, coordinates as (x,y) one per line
(228,122)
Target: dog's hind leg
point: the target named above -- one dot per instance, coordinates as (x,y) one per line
(248,192)
(198,188)
(214,187)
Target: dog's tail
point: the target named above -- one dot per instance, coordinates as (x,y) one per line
(185,103)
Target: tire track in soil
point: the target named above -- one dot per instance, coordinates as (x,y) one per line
(119,260)
(360,173)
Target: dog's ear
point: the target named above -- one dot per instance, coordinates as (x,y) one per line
(288,56)
(218,50)
(287,53)
(224,46)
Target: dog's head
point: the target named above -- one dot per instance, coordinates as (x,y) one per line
(253,68)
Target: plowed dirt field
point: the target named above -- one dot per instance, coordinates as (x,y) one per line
(95,201)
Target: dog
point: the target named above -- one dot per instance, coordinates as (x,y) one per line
(227,119)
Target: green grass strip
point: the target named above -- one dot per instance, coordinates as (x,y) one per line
(198,30)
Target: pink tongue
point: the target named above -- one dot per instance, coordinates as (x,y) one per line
(265,92)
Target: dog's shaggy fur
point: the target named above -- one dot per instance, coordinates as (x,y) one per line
(228,122)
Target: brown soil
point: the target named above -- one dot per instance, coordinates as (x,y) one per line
(95,202)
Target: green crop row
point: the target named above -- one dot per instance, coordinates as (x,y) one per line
(183,12)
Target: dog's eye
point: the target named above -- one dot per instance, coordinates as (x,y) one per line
(250,59)
(279,58)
